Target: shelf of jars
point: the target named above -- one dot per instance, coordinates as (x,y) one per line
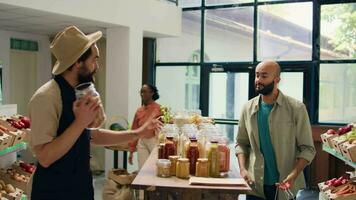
(192,153)
(340,143)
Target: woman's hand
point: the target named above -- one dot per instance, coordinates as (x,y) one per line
(131,158)
(150,125)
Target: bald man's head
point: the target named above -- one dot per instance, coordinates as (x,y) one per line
(267,77)
(270,66)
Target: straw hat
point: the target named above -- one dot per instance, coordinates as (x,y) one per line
(69,45)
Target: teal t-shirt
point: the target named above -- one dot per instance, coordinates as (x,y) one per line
(271,174)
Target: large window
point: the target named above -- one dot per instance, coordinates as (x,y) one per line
(178,86)
(337,93)
(338,35)
(185,48)
(224,40)
(228,92)
(229,34)
(284,33)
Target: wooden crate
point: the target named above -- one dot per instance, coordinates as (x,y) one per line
(323,187)
(19,169)
(17,136)
(331,196)
(7,178)
(349,151)
(15,195)
(336,142)
(326,138)
(7,125)
(5,141)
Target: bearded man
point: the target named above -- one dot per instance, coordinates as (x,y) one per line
(274,141)
(60,137)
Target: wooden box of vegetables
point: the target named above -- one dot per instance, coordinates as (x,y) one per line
(10,192)
(328,136)
(343,192)
(349,150)
(5,140)
(14,178)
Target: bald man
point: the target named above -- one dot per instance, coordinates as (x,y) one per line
(274,142)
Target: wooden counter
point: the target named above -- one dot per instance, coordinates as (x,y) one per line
(147,179)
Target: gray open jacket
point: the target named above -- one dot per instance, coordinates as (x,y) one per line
(291,138)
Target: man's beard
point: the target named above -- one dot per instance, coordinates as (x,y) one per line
(266,90)
(84,75)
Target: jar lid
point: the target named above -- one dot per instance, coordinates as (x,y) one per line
(203,160)
(163,163)
(183,159)
(173,157)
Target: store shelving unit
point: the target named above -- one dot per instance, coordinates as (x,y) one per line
(13,149)
(339,156)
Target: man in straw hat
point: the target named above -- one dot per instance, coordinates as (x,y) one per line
(59,136)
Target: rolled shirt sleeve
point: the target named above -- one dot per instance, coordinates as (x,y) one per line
(242,140)
(44,114)
(305,144)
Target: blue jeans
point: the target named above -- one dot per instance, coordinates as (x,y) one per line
(269,191)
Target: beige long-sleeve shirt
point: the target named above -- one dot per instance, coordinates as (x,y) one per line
(291,138)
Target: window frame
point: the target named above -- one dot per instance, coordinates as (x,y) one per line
(310,68)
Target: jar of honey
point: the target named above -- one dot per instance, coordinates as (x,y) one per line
(182,169)
(202,167)
(174,160)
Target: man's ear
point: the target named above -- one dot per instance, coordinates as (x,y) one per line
(78,64)
(278,79)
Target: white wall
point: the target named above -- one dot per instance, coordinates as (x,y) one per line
(43,59)
(151,15)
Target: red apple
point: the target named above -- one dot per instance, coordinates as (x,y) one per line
(331,132)
(26,121)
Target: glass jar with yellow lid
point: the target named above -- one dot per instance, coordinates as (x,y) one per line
(202,167)
(182,169)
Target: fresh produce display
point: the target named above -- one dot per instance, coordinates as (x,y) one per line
(15,175)
(3,130)
(27,167)
(341,130)
(166,116)
(346,190)
(8,191)
(335,182)
(20,123)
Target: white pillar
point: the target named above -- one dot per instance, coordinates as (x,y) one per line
(123,77)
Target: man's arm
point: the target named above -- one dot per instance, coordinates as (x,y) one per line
(298,168)
(84,110)
(108,137)
(242,145)
(305,145)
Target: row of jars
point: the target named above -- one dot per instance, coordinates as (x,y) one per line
(216,153)
(180,167)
